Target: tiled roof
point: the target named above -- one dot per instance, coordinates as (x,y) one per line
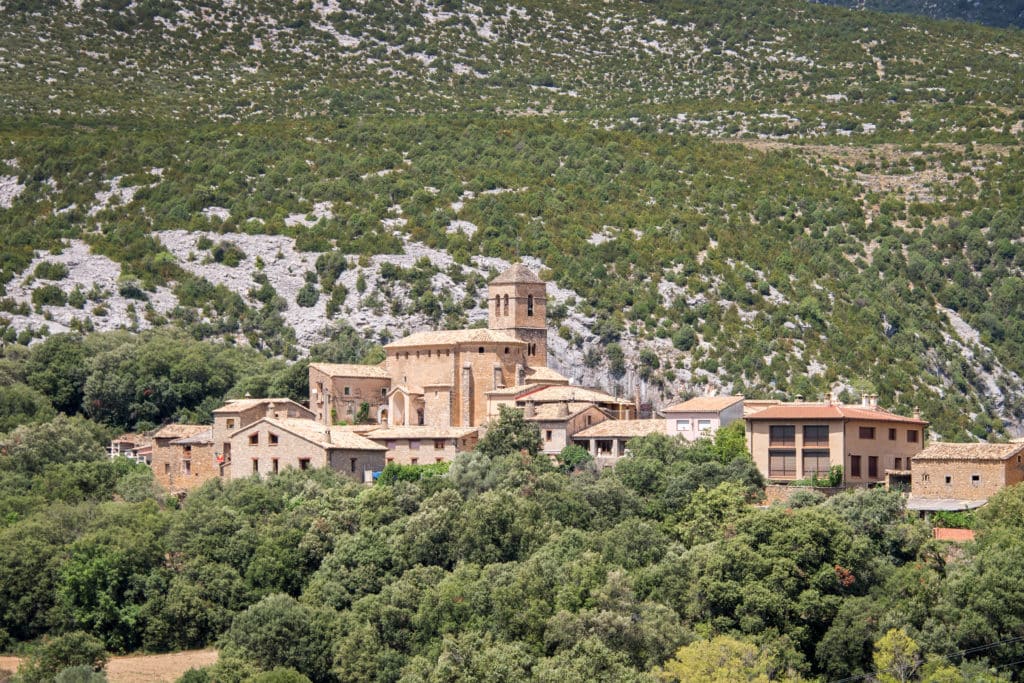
(203,437)
(703,404)
(351,370)
(545,375)
(560,392)
(821,411)
(546,412)
(517,274)
(179,431)
(622,429)
(451,337)
(970,451)
(237,405)
(420,432)
(317,434)
(512,391)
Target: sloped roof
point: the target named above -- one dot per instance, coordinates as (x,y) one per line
(561,392)
(240,404)
(703,404)
(421,432)
(452,337)
(517,274)
(547,412)
(623,429)
(203,437)
(545,375)
(821,411)
(179,431)
(317,434)
(351,370)
(970,451)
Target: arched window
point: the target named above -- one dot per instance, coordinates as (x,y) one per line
(529,305)
(497,304)
(506,304)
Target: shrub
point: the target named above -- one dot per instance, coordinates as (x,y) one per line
(48,295)
(47,270)
(308,295)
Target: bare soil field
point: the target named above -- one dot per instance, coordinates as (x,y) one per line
(142,668)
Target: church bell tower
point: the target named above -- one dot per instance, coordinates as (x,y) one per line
(517,303)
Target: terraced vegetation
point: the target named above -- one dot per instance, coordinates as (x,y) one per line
(772,200)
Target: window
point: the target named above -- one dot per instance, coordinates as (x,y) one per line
(352,464)
(272,438)
(497,304)
(438,459)
(872,466)
(303,463)
(925,477)
(167,468)
(255,466)
(186,449)
(682,425)
(506,350)
(815,462)
(506,304)
(480,350)
(186,467)
(347,391)
(899,463)
(816,435)
(975,479)
(273,465)
(855,466)
(438,444)
(254,439)
(390,445)
(383,392)
(389,460)
(949,480)
(911,436)
(414,444)
(703,425)
(529,305)
(781,463)
(866,432)
(231,423)
(892,434)
(547,435)
(782,435)
(414,461)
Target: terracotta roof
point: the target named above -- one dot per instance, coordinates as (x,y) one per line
(955,535)
(239,404)
(622,429)
(970,451)
(179,431)
(703,404)
(547,412)
(351,370)
(517,274)
(560,392)
(821,411)
(316,433)
(545,375)
(420,432)
(755,405)
(452,337)
(203,437)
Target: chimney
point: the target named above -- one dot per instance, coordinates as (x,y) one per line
(874,400)
(799,398)
(270,410)
(917,413)
(828,398)
(327,436)
(530,409)
(563,409)
(865,400)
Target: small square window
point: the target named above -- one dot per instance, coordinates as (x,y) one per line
(892,434)
(547,435)
(949,480)
(911,436)
(254,439)
(703,425)
(231,423)
(438,444)
(347,391)
(975,479)
(682,425)
(866,433)
(303,463)
(272,438)
(414,461)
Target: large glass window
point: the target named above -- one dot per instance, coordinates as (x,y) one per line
(781,463)
(816,435)
(782,435)
(815,462)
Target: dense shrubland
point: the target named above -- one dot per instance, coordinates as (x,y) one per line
(501,568)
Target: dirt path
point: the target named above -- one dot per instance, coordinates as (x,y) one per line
(144,668)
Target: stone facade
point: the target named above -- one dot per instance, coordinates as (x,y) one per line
(183,457)
(558,423)
(424,445)
(797,440)
(966,471)
(337,391)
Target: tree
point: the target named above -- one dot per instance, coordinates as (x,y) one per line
(896,657)
(573,458)
(58,368)
(20,404)
(722,659)
(510,433)
(76,648)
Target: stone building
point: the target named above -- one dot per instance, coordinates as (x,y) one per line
(793,441)
(962,476)
(423,445)
(607,441)
(183,456)
(338,391)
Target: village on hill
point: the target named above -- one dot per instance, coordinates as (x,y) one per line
(436,393)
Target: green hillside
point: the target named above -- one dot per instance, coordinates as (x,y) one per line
(990,12)
(773,200)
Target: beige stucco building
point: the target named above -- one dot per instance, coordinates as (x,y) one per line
(701,416)
(793,441)
(961,476)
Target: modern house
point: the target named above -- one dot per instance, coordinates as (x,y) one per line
(701,416)
(792,441)
(962,476)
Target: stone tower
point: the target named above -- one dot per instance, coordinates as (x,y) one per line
(517,304)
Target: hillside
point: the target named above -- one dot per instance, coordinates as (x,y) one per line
(769,200)
(990,12)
